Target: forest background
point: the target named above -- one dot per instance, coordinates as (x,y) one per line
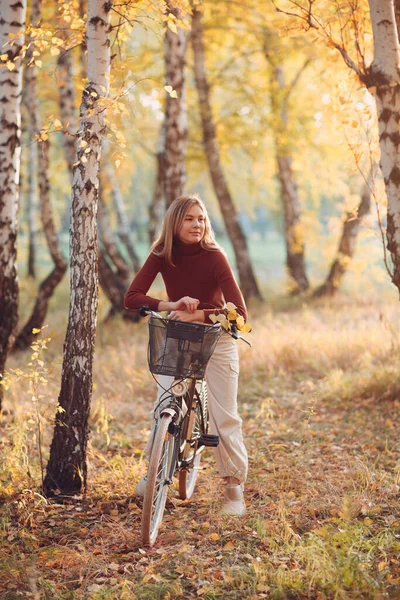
(297,142)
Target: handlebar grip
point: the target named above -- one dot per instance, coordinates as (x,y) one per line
(144,311)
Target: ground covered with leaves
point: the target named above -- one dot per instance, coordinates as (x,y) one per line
(319,397)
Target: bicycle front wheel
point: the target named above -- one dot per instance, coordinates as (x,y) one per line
(157,482)
(188,477)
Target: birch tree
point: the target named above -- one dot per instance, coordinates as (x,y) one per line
(124,230)
(31,200)
(156,212)
(348,239)
(67,466)
(175,109)
(381,78)
(247,278)
(12,22)
(48,285)
(281,92)
(383,81)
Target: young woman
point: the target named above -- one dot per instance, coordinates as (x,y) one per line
(199,282)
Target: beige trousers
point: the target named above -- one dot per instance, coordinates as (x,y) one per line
(222,375)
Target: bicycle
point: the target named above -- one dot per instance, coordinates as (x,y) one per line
(182,351)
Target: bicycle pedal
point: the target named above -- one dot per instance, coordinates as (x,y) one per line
(206,439)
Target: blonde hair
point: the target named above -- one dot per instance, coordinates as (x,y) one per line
(172,223)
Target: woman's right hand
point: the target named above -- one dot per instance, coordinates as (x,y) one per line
(187,303)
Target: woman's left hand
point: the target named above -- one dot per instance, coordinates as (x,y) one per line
(183,315)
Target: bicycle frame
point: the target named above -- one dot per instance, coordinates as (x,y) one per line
(181,428)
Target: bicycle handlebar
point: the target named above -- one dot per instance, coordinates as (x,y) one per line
(144,311)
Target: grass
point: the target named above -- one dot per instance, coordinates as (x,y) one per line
(319,397)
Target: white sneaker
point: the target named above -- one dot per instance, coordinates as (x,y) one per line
(233,500)
(141,487)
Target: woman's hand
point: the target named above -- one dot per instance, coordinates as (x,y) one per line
(186,303)
(183,315)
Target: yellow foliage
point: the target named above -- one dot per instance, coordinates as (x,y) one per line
(231,317)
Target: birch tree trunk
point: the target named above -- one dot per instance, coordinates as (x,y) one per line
(247,279)
(175,111)
(12,21)
(68,119)
(114,289)
(124,230)
(67,106)
(347,244)
(67,467)
(294,237)
(31,202)
(156,208)
(47,287)
(113,282)
(109,242)
(384,82)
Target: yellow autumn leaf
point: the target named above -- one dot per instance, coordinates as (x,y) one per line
(54,51)
(230,306)
(35,331)
(240,321)
(172,26)
(10,65)
(224,321)
(213,318)
(174,94)
(232,315)
(214,537)
(117,164)
(168,89)
(57,124)
(38,63)
(246,328)
(3,56)
(228,546)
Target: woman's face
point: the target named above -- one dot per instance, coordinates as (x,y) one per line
(193,225)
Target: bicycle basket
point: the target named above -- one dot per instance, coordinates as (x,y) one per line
(180,349)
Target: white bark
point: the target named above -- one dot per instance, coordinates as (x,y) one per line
(12,21)
(384,82)
(83,240)
(386,41)
(67,467)
(175,112)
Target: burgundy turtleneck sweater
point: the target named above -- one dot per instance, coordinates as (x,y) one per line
(199,273)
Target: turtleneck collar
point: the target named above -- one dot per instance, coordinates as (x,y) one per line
(187,249)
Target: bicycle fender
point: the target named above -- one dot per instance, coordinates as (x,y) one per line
(168,411)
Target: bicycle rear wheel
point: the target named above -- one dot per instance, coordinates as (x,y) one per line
(157,481)
(188,477)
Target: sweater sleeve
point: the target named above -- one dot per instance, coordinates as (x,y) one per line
(229,287)
(136,296)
